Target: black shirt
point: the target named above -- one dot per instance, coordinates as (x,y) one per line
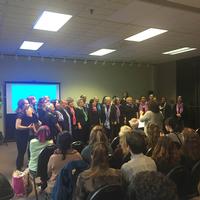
(25,121)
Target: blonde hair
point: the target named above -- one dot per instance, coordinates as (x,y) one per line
(134,123)
(124,131)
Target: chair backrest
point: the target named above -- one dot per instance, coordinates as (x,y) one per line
(195,176)
(6,191)
(149,152)
(115,143)
(43,160)
(108,192)
(198,131)
(78,145)
(180,176)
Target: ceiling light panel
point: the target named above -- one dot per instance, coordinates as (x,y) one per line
(102,52)
(51,21)
(29,45)
(180,50)
(144,35)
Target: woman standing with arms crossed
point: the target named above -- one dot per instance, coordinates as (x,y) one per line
(24,124)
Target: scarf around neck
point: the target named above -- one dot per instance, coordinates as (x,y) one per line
(84,113)
(73,115)
(179,108)
(107,114)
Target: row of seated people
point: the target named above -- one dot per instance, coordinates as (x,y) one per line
(146,185)
(126,159)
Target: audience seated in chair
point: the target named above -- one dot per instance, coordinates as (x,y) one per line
(134,123)
(166,155)
(174,130)
(153,132)
(42,168)
(97,135)
(191,151)
(99,174)
(63,154)
(139,162)
(151,186)
(191,159)
(37,145)
(37,153)
(121,153)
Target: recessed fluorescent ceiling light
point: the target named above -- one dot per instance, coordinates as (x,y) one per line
(51,21)
(28,45)
(102,52)
(181,50)
(144,35)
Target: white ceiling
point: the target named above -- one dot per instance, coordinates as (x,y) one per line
(110,23)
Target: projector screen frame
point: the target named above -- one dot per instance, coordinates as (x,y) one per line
(9,118)
(25,82)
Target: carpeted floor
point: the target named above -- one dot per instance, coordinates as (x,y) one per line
(8,153)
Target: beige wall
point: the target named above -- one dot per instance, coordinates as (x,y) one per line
(79,78)
(165,80)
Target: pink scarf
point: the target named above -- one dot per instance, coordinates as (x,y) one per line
(117,112)
(94,108)
(143,107)
(73,115)
(179,108)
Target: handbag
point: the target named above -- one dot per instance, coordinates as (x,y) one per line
(21,183)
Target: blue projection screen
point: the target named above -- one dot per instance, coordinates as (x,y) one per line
(16,91)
